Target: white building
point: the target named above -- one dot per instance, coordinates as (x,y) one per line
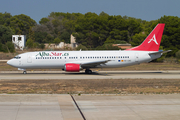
(73,42)
(19,41)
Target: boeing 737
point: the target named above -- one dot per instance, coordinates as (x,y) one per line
(74,61)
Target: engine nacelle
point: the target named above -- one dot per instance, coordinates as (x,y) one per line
(71,67)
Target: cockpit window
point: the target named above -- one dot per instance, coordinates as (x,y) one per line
(17,57)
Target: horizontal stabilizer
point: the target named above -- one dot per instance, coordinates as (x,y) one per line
(160,52)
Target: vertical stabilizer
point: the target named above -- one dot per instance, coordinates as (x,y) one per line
(153,40)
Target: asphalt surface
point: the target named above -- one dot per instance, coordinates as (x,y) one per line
(93,107)
(47,75)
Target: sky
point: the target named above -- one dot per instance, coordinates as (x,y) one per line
(144,9)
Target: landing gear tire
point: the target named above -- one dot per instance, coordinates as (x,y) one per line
(87,71)
(24,72)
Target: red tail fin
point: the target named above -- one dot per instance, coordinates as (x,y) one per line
(152,42)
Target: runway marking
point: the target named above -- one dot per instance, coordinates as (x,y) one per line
(3,60)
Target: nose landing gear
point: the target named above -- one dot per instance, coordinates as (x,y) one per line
(24,70)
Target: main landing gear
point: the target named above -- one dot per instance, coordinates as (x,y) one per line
(24,72)
(88,71)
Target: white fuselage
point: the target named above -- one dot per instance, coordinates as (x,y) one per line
(57,59)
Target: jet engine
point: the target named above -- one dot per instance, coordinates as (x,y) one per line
(72,67)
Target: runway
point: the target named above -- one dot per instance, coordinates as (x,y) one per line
(48,75)
(93,107)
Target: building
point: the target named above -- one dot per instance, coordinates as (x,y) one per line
(19,41)
(73,42)
(63,45)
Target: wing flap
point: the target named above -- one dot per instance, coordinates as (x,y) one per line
(93,64)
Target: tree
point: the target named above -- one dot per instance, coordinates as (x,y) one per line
(21,24)
(81,47)
(30,43)
(5,34)
(3,48)
(133,28)
(107,47)
(44,21)
(41,37)
(178,54)
(10,47)
(42,46)
(31,34)
(4,18)
(171,35)
(137,39)
(103,14)
(57,40)
(90,30)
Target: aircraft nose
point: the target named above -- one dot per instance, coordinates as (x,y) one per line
(9,62)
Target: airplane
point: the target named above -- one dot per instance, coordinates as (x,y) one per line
(74,61)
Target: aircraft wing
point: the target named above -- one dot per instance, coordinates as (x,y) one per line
(93,64)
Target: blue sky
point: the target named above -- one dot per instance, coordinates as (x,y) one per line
(143,9)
